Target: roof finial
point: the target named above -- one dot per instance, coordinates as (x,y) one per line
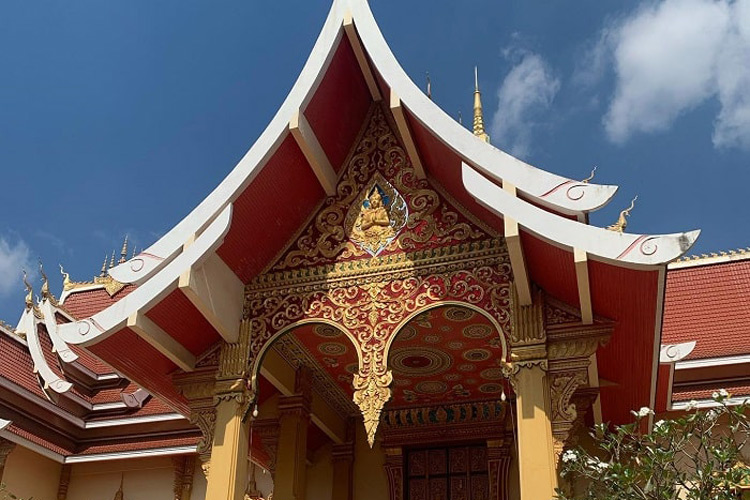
(460,117)
(622,221)
(429,86)
(124,251)
(103,272)
(45,281)
(120,495)
(67,284)
(591,175)
(29,291)
(478,114)
(112,260)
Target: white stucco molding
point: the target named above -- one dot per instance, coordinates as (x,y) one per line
(623,249)
(106,322)
(672,353)
(547,189)
(50,380)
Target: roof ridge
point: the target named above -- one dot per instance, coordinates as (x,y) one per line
(711,258)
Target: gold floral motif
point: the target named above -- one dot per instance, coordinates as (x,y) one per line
(371,393)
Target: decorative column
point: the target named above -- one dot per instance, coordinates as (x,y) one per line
(291,456)
(5,448)
(394,467)
(227,476)
(498,465)
(343,460)
(62,486)
(527,372)
(183,476)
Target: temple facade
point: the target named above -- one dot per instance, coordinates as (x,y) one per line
(376,303)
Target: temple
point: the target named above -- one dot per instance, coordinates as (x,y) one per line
(374,304)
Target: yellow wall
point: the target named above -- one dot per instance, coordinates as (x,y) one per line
(28,474)
(370,480)
(143,479)
(320,475)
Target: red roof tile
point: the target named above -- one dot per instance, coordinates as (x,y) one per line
(704,391)
(711,305)
(85,303)
(141,443)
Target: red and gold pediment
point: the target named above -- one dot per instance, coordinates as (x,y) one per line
(387,247)
(381,208)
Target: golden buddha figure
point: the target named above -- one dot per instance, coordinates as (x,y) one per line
(376,214)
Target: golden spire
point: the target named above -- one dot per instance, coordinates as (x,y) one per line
(478,115)
(119,495)
(103,272)
(124,251)
(29,291)
(112,261)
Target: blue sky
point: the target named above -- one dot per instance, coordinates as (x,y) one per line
(119,117)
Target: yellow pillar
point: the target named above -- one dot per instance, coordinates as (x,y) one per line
(290,479)
(536,457)
(228,471)
(528,375)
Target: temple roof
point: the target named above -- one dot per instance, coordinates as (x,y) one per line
(185,292)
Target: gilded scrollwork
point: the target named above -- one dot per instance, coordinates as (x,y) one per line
(371,394)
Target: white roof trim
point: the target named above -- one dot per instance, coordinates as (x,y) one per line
(99,457)
(672,353)
(4,423)
(104,323)
(712,362)
(146,419)
(58,345)
(548,189)
(28,325)
(156,452)
(623,249)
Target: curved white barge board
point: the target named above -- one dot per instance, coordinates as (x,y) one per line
(631,250)
(547,189)
(108,321)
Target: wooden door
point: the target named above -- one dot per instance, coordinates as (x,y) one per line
(449,473)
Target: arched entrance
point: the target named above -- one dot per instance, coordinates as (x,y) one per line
(301,425)
(444,429)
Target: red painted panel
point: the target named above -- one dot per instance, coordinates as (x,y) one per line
(339,106)
(141,363)
(444,166)
(177,316)
(270,210)
(551,267)
(628,297)
(662,389)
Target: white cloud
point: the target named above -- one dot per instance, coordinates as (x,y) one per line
(528,90)
(14,257)
(672,56)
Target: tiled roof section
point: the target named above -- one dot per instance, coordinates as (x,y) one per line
(91,362)
(17,367)
(38,440)
(704,391)
(709,304)
(85,303)
(141,443)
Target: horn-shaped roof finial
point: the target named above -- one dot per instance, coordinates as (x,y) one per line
(45,281)
(478,113)
(67,283)
(29,291)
